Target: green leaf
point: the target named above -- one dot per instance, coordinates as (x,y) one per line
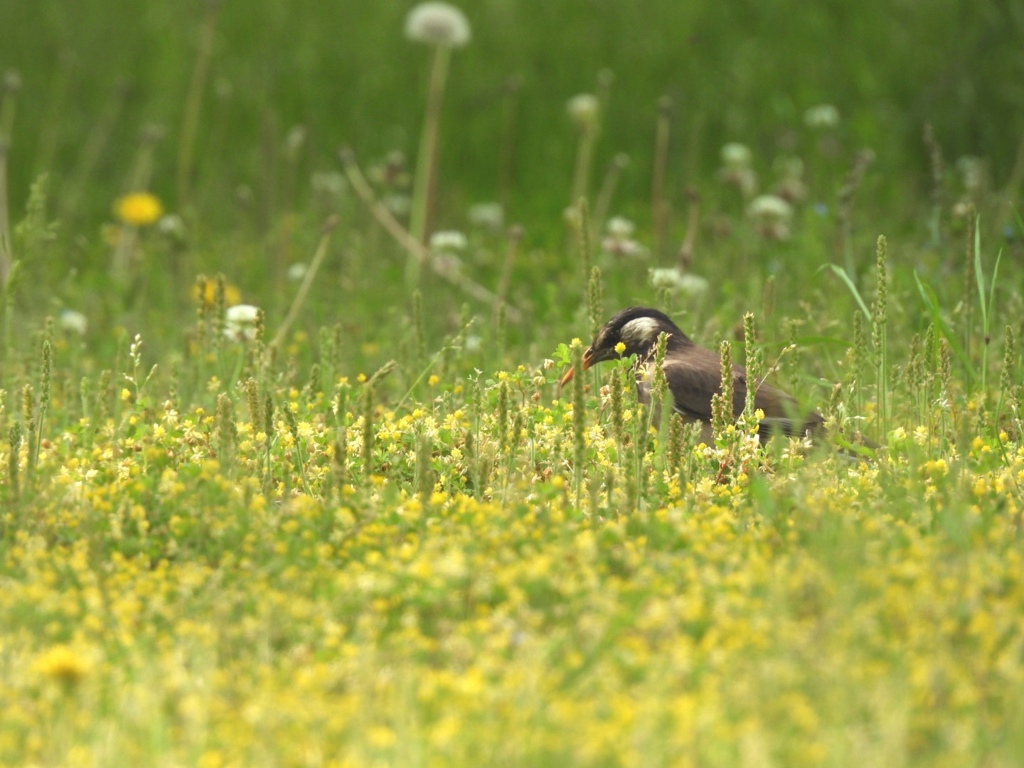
(933,304)
(853,289)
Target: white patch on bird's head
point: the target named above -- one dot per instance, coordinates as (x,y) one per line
(640,331)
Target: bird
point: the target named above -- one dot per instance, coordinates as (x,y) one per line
(693,374)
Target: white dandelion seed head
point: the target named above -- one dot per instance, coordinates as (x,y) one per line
(240,322)
(583,109)
(448,241)
(737,156)
(770,208)
(665,277)
(671,279)
(437,23)
(619,226)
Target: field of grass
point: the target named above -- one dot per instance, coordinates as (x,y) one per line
(286,476)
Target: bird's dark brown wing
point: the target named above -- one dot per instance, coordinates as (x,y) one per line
(694,376)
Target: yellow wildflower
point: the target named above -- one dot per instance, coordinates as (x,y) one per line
(232,295)
(63,664)
(140,209)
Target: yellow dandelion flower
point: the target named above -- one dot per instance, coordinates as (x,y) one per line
(140,209)
(63,664)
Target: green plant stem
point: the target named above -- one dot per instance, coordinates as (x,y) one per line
(605,195)
(427,160)
(6,250)
(659,205)
(579,422)
(307,283)
(193,103)
(584,158)
(413,248)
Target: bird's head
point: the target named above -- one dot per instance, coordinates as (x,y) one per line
(632,331)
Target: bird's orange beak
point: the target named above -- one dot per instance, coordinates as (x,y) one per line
(588,360)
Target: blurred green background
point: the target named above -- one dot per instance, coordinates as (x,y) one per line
(94,74)
(743,70)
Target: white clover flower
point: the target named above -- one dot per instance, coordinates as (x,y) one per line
(487,215)
(821,116)
(437,23)
(772,215)
(583,109)
(619,226)
(671,279)
(770,207)
(240,322)
(619,240)
(736,156)
(665,277)
(76,322)
(297,271)
(448,240)
(623,246)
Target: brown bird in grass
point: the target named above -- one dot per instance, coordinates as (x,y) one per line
(694,375)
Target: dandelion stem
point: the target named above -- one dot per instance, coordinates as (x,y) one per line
(426,162)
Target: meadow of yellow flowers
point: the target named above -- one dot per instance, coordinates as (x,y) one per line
(315,579)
